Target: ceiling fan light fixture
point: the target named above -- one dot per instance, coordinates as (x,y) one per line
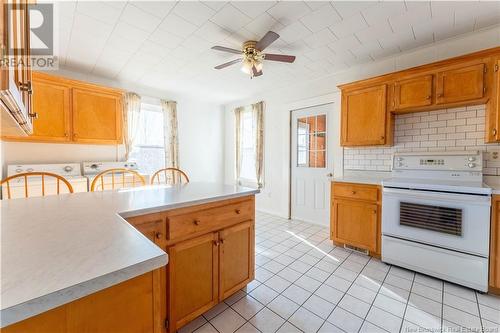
(247,65)
(259,65)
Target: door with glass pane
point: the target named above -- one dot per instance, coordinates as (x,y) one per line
(311,164)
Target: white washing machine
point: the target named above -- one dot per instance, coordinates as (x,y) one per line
(91,169)
(70,171)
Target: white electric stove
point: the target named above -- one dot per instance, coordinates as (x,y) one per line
(436,216)
(70,171)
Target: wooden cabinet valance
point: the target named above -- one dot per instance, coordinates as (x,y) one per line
(70,111)
(467,80)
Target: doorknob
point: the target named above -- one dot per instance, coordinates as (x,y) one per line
(329,174)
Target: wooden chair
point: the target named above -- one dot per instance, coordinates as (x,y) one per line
(171,176)
(118,179)
(59,179)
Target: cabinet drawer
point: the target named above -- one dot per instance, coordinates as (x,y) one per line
(354,191)
(182,225)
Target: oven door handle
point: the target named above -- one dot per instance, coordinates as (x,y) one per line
(451,197)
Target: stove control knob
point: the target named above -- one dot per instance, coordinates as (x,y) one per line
(399,159)
(400,164)
(30,170)
(68,168)
(471,159)
(19,170)
(471,165)
(94,166)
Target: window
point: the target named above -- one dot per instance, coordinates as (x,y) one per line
(311,141)
(149,147)
(248,153)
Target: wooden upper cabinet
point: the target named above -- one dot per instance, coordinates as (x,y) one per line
(193,279)
(412,93)
(96,116)
(236,266)
(52,105)
(364,116)
(460,84)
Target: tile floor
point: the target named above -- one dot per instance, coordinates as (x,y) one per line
(303,283)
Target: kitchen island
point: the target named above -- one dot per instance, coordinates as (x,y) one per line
(59,249)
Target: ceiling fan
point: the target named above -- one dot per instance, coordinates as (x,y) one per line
(252,55)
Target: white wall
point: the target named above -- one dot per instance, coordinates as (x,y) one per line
(201,138)
(274,197)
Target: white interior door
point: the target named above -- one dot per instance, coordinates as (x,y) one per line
(311,164)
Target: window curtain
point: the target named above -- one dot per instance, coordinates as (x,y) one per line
(131,116)
(258,120)
(237,115)
(170,133)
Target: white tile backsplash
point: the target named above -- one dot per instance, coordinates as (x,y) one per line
(457,129)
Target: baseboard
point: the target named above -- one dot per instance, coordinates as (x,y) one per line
(274,213)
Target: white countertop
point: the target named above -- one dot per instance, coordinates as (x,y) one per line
(363,177)
(493,182)
(57,249)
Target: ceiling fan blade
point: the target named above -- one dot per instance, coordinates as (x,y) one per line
(256,72)
(227,64)
(267,40)
(279,57)
(226,49)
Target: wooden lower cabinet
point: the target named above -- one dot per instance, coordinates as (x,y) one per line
(494,280)
(211,249)
(356,216)
(193,279)
(125,307)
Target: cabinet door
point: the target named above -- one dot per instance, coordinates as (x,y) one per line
(460,84)
(495,245)
(356,223)
(51,102)
(96,117)
(364,117)
(493,108)
(193,279)
(237,256)
(412,93)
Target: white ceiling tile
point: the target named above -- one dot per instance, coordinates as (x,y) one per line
(487,19)
(374,32)
(91,25)
(215,5)
(99,10)
(116,41)
(212,32)
(383,10)
(117,4)
(350,8)
(316,4)
(139,18)
(231,18)
(177,26)
(294,32)
(321,18)
(154,48)
(66,8)
(415,14)
(165,39)
(396,39)
(287,12)
(194,12)
(157,8)
(411,44)
(184,53)
(443,8)
(197,44)
(345,43)
(451,31)
(349,26)
(253,8)
(382,53)
(320,53)
(320,38)
(262,24)
(364,50)
(128,31)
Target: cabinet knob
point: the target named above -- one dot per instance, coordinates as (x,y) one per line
(216,243)
(429,97)
(237,211)
(158,235)
(33,115)
(374,211)
(382,137)
(353,192)
(440,95)
(494,131)
(222,240)
(196,222)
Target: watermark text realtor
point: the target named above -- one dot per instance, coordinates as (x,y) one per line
(39,36)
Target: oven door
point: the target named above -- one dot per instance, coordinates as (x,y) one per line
(454,221)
